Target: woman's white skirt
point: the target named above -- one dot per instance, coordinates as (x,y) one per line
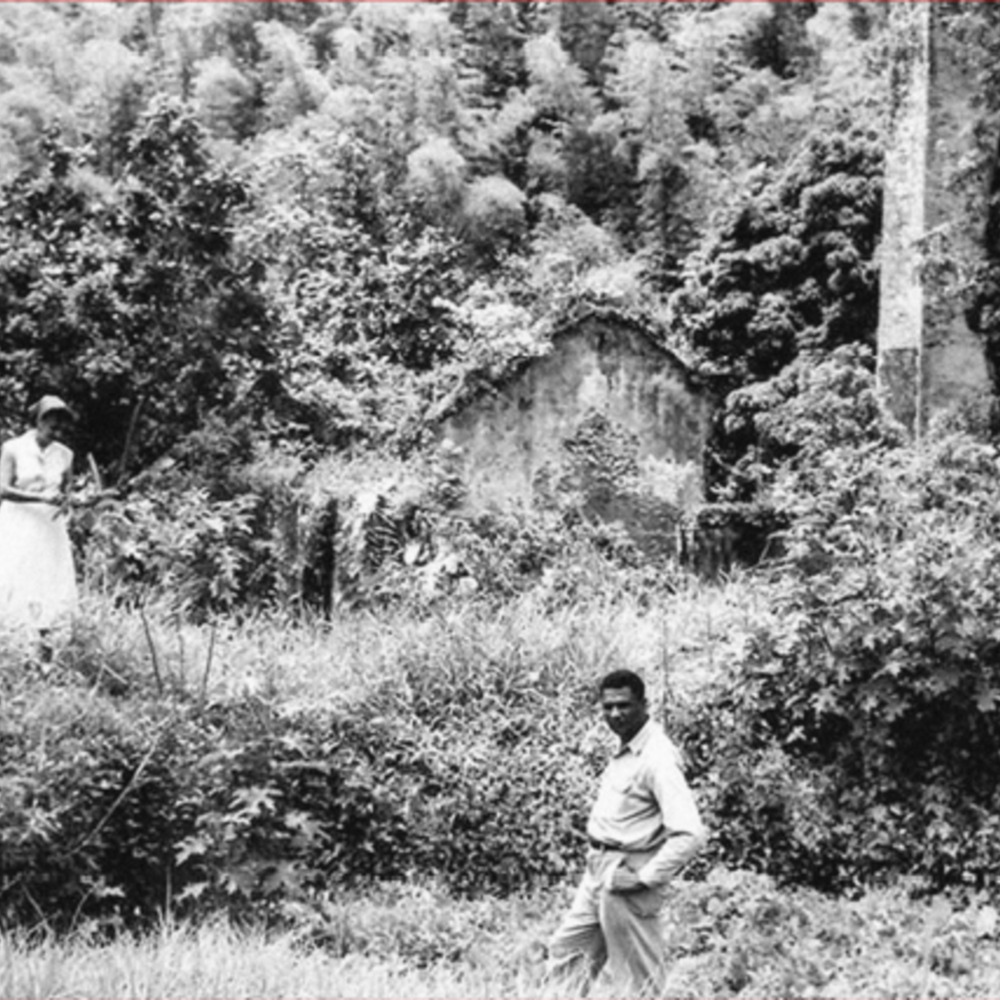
(37,577)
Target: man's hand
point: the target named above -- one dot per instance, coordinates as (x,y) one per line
(625,880)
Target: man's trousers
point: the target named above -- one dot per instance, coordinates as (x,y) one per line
(619,933)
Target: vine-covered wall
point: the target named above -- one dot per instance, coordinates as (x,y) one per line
(936,184)
(609,421)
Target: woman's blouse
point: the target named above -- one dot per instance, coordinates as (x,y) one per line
(37,469)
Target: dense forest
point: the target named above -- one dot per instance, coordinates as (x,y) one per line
(305,221)
(254,245)
(250,242)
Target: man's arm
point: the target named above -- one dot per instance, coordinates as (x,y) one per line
(686,834)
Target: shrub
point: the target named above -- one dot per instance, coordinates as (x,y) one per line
(791,270)
(788,422)
(119,802)
(209,542)
(208,555)
(848,744)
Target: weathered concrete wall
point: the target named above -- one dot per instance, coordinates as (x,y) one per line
(955,367)
(901,300)
(607,414)
(934,215)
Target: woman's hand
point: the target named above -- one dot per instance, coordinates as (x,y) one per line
(64,503)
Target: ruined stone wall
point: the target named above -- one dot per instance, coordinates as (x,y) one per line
(934,218)
(901,298)
(955,368)
(607,418)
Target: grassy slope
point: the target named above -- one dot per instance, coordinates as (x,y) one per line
(731,935)
(678,644)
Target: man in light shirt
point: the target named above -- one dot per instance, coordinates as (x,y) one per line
(644,827)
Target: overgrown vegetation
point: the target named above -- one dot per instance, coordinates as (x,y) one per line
(833,745)
(871,695)
(315,218)
(135,786)
(733,934)
(252,255)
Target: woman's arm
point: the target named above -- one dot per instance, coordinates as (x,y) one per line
(64,498)
(66,481)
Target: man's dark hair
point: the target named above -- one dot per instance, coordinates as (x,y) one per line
(624,679)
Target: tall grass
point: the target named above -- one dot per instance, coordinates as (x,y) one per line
(733,935)
(420,945)
(679,642)
(413,944)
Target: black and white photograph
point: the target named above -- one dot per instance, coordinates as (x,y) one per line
(499,499)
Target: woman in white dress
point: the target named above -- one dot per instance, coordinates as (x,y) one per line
(37,576)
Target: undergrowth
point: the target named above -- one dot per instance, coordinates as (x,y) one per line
(155,767)
(838,708)
(731,934)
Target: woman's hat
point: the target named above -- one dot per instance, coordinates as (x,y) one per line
(50,404)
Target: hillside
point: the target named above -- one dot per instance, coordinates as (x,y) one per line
(306,221)
(264,250)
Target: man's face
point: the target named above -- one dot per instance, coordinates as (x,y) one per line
(624,713)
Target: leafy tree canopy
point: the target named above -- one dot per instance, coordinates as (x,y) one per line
(294,209)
